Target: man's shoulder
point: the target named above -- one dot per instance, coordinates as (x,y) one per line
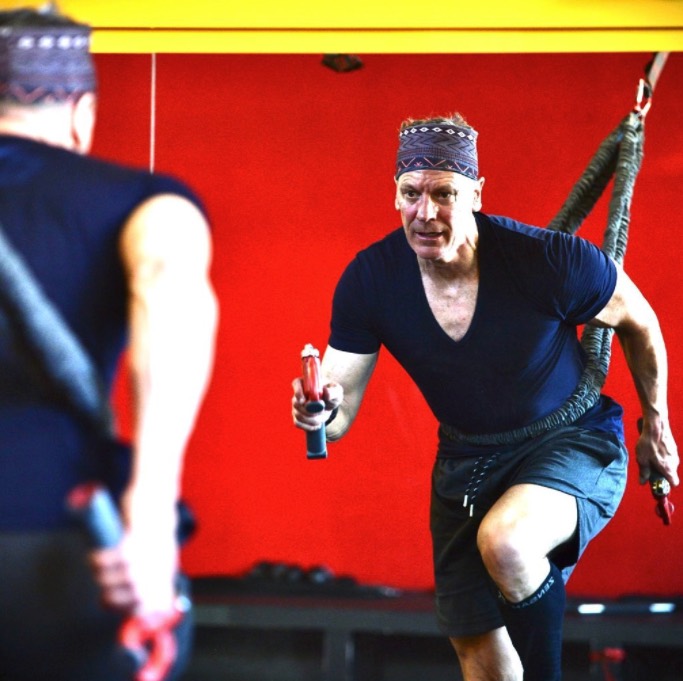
(383,261)
(507,227)
(73,166)
(515,237)
(90,166)
(390,245)
(102,175)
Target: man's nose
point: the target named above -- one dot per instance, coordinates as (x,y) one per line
(427,208)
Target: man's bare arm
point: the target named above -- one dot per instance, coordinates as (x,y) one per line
(638,330)
(165,247)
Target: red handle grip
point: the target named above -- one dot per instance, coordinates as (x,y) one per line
(660,488)
(310,364)
(313,391)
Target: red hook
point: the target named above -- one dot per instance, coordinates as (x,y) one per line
(643,98)
(152,644)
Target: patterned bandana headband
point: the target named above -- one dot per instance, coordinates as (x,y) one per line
(43,64)
(438,146)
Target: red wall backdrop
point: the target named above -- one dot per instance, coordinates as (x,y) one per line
(294,162)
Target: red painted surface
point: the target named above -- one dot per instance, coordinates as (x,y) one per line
(295,162)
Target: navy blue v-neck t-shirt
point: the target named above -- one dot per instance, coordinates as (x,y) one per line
(520,358)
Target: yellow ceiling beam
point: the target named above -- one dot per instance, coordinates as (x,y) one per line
(385,42)
(373,14)
(300,26)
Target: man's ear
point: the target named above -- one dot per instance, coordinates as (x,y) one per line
(83,122)
(477,194)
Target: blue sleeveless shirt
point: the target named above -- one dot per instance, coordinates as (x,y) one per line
(64,213)
(520,358)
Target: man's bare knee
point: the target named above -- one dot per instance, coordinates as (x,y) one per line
(499,547)
(519,532)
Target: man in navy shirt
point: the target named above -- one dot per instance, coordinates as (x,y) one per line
(482,313)
(123,256)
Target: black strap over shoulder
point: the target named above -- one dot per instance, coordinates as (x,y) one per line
(50,341)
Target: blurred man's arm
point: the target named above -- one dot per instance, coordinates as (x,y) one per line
(166,250)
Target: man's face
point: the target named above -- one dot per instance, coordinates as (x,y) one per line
(436,210)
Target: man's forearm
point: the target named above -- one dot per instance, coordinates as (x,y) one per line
(645,354)
(170,363)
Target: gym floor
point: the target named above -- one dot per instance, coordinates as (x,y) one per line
(284,656)
(258,630)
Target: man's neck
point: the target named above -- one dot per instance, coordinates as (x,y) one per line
(464,264)
(49,124)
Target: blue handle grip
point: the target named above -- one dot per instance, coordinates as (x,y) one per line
(95,510)
(316,443)
(316,447)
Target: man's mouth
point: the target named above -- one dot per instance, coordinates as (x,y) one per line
(429,236)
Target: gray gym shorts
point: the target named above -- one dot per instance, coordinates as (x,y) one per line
(589,465)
